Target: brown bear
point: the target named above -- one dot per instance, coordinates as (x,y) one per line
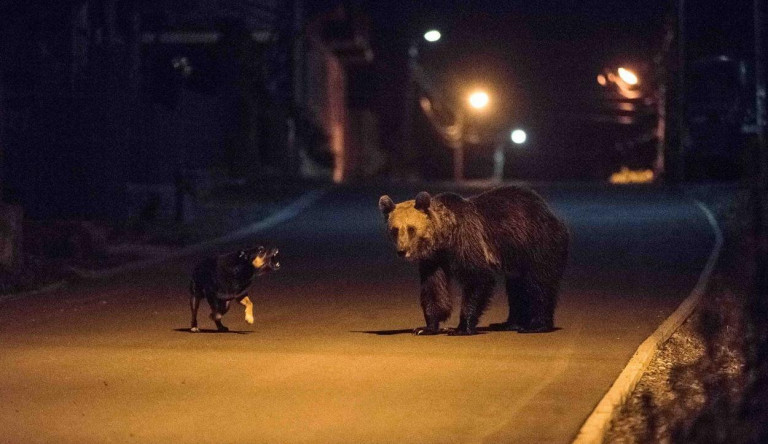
(508,230)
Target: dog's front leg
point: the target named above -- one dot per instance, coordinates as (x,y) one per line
(248,309)
(218,309)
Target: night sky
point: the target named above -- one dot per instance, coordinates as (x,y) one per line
(520,48)
(522,43)
(539,60)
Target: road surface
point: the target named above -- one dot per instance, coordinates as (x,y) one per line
(330,358)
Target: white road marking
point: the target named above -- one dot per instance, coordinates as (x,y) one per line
(289,212)
(47,289)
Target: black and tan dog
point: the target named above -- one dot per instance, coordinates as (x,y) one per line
(220,279)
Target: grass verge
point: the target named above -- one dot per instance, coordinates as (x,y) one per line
(709,382)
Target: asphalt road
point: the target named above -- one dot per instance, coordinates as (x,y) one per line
(330,358)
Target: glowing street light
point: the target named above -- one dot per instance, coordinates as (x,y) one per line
(602,80)
(432,35)
(479,99)
(626,81)
(629,77)
(518,136)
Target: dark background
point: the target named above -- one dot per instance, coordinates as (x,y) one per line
(96,105)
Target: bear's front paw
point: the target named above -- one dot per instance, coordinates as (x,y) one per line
(194,330)
(426,331)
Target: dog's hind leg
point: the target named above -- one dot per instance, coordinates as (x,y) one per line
(194,304)
(248,309)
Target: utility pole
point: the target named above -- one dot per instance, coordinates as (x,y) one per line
(410,96)
(761,183)
(297,52)
(458,149)
(2,139)
(681,121)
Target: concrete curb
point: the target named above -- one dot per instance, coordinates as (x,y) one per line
(595,427)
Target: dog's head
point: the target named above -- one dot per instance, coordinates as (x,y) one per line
(263,260)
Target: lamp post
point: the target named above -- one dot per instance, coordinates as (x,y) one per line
(408,152)
(760,182)
(458,150)
(477,100)
(517,136)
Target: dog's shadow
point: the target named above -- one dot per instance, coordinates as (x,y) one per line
(211,330)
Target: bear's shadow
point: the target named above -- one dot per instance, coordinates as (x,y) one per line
(211,330)
(480,330)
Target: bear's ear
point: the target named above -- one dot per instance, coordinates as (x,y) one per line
(386,205)
(422,201)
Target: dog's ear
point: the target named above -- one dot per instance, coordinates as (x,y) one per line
(386,205)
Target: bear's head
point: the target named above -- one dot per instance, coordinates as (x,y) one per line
(411,226)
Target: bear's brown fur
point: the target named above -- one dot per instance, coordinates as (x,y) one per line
(509,230)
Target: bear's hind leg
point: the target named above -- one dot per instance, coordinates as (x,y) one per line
(542,284)
(518,307)
(537,307)
(477,293)
(435,298)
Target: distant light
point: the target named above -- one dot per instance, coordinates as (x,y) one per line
(426,105)
(628,76)
(479,99)
(432,35)
(518,136)
(601,80)
(627,176)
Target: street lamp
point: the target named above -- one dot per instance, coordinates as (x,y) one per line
(629,77)
(625,80)
(518,136)
(479,99)
(432,35)
(408,152)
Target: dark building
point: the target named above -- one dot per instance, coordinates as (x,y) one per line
(103,99)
